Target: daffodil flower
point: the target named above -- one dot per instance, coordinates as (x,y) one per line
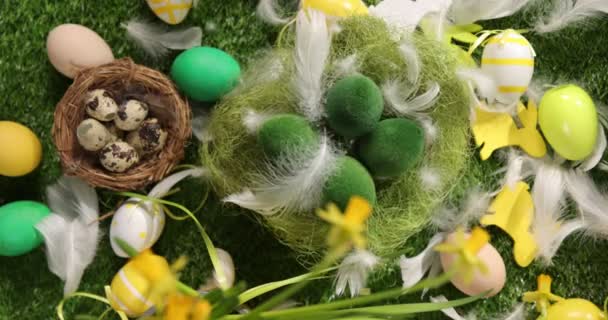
(466,249)
(347,228)
(182,307)
(542,297)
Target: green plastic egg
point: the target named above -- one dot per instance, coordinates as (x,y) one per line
(354,106)
(575,309)
(349,179)
(395,146)
(286,133)
(568,119)
(18,234)
(205,74)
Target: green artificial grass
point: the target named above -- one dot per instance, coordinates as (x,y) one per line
(30,88)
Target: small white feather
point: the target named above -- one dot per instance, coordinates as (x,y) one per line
(156,40)
(449,312)
(427,99)
(253,120)
(165,185)
(484,83)
(406,14)
(412,59)
(71,232)
(293,184)
(347,66)
(591,202)
(567,12)
(313,42)
(413,269)
(469,11)
(430,179)
(200,126)
(598,151)
(472,209)
(431,130)
(398,96)
(267,10)
(354,271)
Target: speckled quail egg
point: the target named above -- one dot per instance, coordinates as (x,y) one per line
(92,135)
(149,138)
(131,114)
(100,105)
(115,133)
(118,156)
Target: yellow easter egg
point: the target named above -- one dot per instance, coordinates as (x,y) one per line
(21,150)
(337,8)
(129,290)
(575,309)
(170,11)
(568,119)
(509,59)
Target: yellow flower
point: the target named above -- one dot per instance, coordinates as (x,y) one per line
(466,250)
(181,307)
(347,228)
(542,296)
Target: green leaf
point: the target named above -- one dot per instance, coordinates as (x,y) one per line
(465,37)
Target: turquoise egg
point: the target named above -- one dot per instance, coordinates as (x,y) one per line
(18,220)
(205,74)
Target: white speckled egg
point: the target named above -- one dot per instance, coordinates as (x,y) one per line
(150,137)
(509,59)
(115,133)
(100,105)
(493,281)
(131,114)
(138,223)
(170,11)
(72,47)
(92,135)
(118,156)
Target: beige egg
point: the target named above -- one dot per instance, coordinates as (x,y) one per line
(115,133)
(100,105)
(118,156)
(72,47)
(92,135)
(492,281)
(131,114)
(150,137)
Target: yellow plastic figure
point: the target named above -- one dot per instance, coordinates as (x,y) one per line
(513,210)
(498,130)
(337,8)
(552,307)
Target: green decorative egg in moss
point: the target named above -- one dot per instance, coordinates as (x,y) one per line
(354,106)
(350,178)
(18,220)
(286,133)
(205,73)
(394,147)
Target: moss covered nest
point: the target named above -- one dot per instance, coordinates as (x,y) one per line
(404,205)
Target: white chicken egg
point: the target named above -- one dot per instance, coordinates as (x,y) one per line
(508,59)
(137,223)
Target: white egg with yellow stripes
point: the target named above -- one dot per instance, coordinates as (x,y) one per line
(170,11)
(128,292)
(508,58)
(138,223)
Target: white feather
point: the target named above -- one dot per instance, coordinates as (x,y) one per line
(200,126)
(71,232)
(485,84)
(267,11)
(354,271)
(156,40)
(598,151)
(431,130)
(549,226)
(567,12)
(313,42)
(591,202)
(519,167)
(474,207)
(449,312)
(469,11)
(398,96)
(414,65)
(165,185)
(406,14)
(430,179)
(347,66)
(427,99)
(253,120)
(413,269)
(293,184)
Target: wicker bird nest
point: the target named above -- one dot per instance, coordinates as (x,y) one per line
(123,79)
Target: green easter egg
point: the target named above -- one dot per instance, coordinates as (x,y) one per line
(205,74)
(286,133)
(354,106)
(395,146)
(568,119)
(349,179)
(18,234)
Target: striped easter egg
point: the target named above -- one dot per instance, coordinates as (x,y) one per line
(128,292)
(509,59)
(170,11)
(138,223)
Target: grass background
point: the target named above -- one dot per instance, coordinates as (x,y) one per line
(30,88)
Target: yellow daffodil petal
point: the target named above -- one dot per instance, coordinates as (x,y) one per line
(479,238)
(357,210)
(181,307)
